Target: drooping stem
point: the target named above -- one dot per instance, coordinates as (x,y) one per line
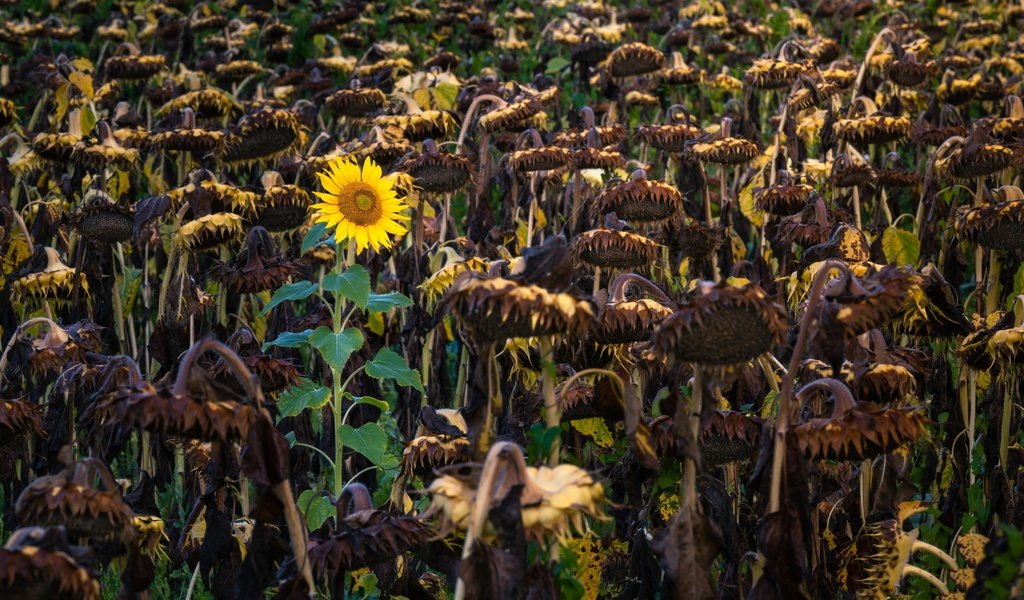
(786,407)
(496,457)
(17,334)
(933,580)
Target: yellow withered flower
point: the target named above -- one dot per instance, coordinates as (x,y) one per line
(360,203)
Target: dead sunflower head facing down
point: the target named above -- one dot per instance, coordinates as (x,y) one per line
(359,203)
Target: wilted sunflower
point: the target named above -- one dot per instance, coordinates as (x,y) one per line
(39,563)
(721,325)
(998,226)
(54,281)
(613,249)
(360,203)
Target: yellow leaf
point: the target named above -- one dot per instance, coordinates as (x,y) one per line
(376,323)
(595,429)
(588,564)
(83,82)
(63,100)
(82,64)
(748,206)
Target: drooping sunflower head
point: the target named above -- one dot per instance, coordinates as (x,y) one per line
(360,203)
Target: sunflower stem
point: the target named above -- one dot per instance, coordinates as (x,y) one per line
(688,492)
(552,408)
(342,259)
(992,293)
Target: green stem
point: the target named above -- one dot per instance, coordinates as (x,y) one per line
(552,408)
(336,405)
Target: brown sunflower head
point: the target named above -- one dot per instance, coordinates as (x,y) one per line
(39,563)
(209,103)
(614,249)
(672,136)
(70,499)
(259,267)
(866,125)
(262,136)
(590,50)
(187,137)
(680,73)
(728,436)
(275,374)
(283,207)
(894,174)
(783,198)
(435,124)
(513,116)
(364,536)
(128,62)
(640,199)
(438,172)
(179,410)
(102,220)
(976,156)
(771,73)
(19,418)
(441,439)
(720,148)
(627,319)
(857,304)
(849,169)
(721,325)
(356,102)
(496,309)
(855,430)
(908,71)
(812,94)
(998,226)
(634,58)
(538,157)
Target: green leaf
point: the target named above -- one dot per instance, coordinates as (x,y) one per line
(299,290)
(555,65)
(302,396)
(388,364)
(87,120)
(901,247)
(369,400)
(336,347)
(353,285)
(369,440)
(317,508)
(1018,286)
(289,339)
(385,302)
(312,237)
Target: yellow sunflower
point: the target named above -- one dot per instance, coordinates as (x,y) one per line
(360,204)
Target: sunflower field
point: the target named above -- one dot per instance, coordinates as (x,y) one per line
(508,299)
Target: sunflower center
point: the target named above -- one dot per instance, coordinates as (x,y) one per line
(359,203)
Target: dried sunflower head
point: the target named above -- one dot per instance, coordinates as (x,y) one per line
(357,102)
(720,148)
(770,73)
(68,498)
(669,137)
(262,136)
(39,563)
(128,62)
(496,309)
(998,226)
(855,430)
(728,436)
(19,418)
(625,320)
(614,249)
(364,536)
(210,231)
(554,500)
(441,439)
(283,207)
(258,267)
(55,281)
(783,198)
(634,58)
(100,219)
(640,199)
(721,325)
(434,171)
(866,125)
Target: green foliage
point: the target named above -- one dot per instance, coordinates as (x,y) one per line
(352,285)
(388,364)
(317,508)
(302,396)
(901,247)
(336,348)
